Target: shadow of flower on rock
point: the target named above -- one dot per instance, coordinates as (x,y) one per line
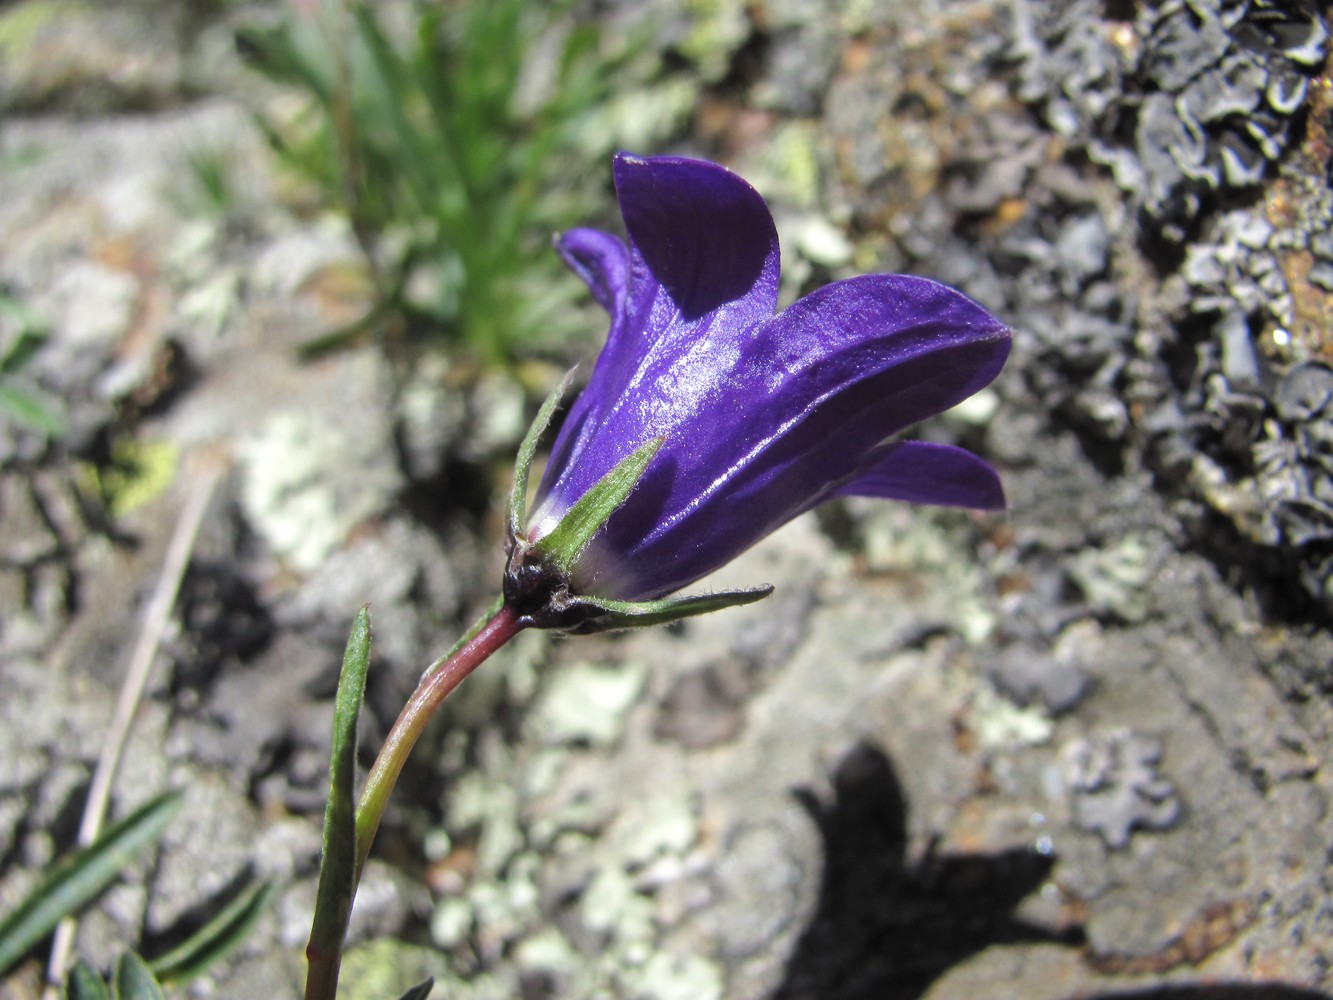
(886,927)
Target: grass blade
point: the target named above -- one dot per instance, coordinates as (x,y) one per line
(33,411)
(420,991)
(83,983)
(337,867)
(76,881)
(217,937)
(134,981)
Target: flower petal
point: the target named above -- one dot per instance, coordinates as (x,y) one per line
(761,430)
(703,272)
(703,233)
(819,387)
(602,261)
(926,472)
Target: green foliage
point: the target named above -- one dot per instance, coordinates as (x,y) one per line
(81,878)
(338,860)
(135,979)
(72,884)
(211,189)
(455,148)
(83,983)
(21,335)
(217,937)
(132,980)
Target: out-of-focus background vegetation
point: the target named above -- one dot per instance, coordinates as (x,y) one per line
(455,140)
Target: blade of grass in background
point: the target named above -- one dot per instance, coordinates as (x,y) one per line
(76,881)
(83,983)
(217,937)
(22,333)
(134,981)
(457,145)
(420,991)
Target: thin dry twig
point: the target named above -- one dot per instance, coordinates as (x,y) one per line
(158,615)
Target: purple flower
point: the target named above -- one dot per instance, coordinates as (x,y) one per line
(760,417)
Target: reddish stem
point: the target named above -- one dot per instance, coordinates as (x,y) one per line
(435,686)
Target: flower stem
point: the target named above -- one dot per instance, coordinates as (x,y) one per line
(436,684)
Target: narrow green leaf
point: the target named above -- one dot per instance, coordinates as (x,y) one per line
(134,980)
(637,614)
(420,991)
(518,495)
(380,90)
(337,869)
(83,983)
(79,879)
(32,410)
(576,529)
(27,342)
(217,937)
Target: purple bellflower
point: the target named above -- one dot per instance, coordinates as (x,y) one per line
(707,423)
(715,421)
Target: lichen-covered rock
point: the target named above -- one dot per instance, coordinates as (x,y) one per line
(1206,89)
(1116,789)
(90,57)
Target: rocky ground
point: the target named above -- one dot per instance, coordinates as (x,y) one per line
(1080,749)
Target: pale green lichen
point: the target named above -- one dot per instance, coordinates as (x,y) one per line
(604,858)
(637,118)
(678,977)
(140,471)
(548,951)
(22,25)
(906,541)
(821,242)
(587,703)
(613,907)
(385,967)
(451,922)
(307,484)
(507,907)
(1000,723)
(1114,579)
(665,825)
(477,802)
(718,28)
(792,156)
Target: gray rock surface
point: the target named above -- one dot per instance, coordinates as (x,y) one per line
(1080,748)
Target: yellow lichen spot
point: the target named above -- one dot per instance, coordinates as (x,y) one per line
(1122,35)
(22,25)
(139,471)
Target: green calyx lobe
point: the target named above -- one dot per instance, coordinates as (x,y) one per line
(517,508)
(562,546)
(602,614)
(537,580)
